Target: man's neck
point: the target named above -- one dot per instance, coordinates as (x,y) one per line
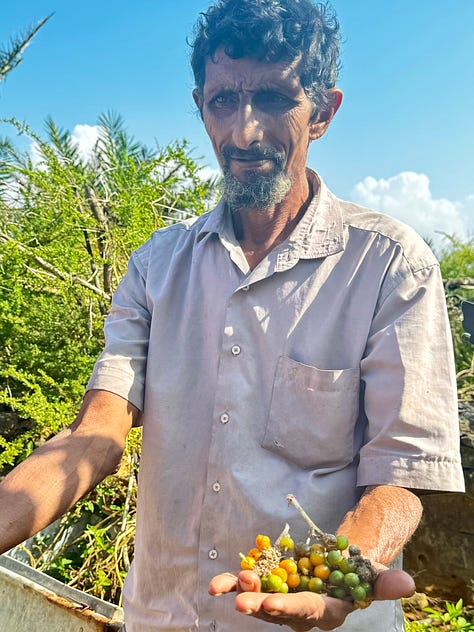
(261,230)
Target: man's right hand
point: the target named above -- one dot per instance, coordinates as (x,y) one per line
(305,610)
(62,470)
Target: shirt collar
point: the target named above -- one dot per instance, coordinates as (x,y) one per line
(318,234)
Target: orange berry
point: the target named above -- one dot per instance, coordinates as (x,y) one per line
(293,580)
(255,553)
(322,571)
(289,565)
(262,541)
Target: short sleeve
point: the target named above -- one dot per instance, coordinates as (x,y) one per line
(410,398)
(121,367)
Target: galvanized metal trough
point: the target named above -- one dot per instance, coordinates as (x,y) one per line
(31,601)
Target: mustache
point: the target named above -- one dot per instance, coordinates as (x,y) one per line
(253,154)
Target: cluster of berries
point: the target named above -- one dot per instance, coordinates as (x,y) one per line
(319,566)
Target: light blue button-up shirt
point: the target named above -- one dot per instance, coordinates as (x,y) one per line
(327,368)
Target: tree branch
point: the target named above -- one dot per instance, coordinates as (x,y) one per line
(49,267)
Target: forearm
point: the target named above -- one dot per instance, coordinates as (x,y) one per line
(382,522)
(57,474)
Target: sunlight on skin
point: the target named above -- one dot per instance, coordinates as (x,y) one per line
(302,611)
(64,468)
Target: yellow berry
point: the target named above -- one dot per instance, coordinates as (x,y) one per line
(304,565)
(247,563)
(280,572)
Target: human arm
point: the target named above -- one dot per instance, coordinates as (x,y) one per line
(48,483)
(381,524)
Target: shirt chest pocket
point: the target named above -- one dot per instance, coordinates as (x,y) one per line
(312,415)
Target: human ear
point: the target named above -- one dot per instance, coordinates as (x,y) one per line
(198,100)
(320,121)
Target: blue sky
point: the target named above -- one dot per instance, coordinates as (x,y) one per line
(402,141)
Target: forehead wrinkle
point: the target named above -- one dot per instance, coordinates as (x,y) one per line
(263,76)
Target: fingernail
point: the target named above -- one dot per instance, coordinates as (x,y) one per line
(273,613)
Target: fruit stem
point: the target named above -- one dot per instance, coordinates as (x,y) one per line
(315,530)
(285,531)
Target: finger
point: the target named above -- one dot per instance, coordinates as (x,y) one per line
(248,581)
(301,604)
(393,584)
(304,606)
(224,583)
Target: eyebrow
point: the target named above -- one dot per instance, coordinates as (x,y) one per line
(288,89)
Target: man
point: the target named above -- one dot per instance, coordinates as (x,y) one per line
(285,342)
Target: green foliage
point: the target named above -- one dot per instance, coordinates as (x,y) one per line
(457,268)
(11,56)
(457,261)
(67,229)
(453,617)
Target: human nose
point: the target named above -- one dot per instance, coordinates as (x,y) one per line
(247,127)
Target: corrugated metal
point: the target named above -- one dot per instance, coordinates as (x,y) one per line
(31,601)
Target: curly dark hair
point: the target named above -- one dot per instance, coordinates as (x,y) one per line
(271,31)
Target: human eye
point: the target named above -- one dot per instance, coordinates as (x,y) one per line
(223,100)
(273,101)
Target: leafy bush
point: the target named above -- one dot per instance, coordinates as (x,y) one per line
(67,229)
(452,617)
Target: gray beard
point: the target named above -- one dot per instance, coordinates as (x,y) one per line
(260,193)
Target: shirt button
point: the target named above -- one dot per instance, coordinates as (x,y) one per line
(235,350)
(216,487)
(213,554)
(224,418)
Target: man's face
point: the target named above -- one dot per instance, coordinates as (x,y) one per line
(260,121)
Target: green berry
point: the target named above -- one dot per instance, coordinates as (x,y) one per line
(358,593)
(342,542)
(336,578)
(333,558)
(316,585)
(303,585)
(274,583)
(346,565)
(338,592)
(351,580)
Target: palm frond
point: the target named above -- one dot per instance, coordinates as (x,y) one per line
(12,56)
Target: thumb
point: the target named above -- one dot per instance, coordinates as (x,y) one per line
(393,584)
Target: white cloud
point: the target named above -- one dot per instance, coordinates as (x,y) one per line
(407,197)
(209,173)
(84,137)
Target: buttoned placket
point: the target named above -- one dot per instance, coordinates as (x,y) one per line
(216,496)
